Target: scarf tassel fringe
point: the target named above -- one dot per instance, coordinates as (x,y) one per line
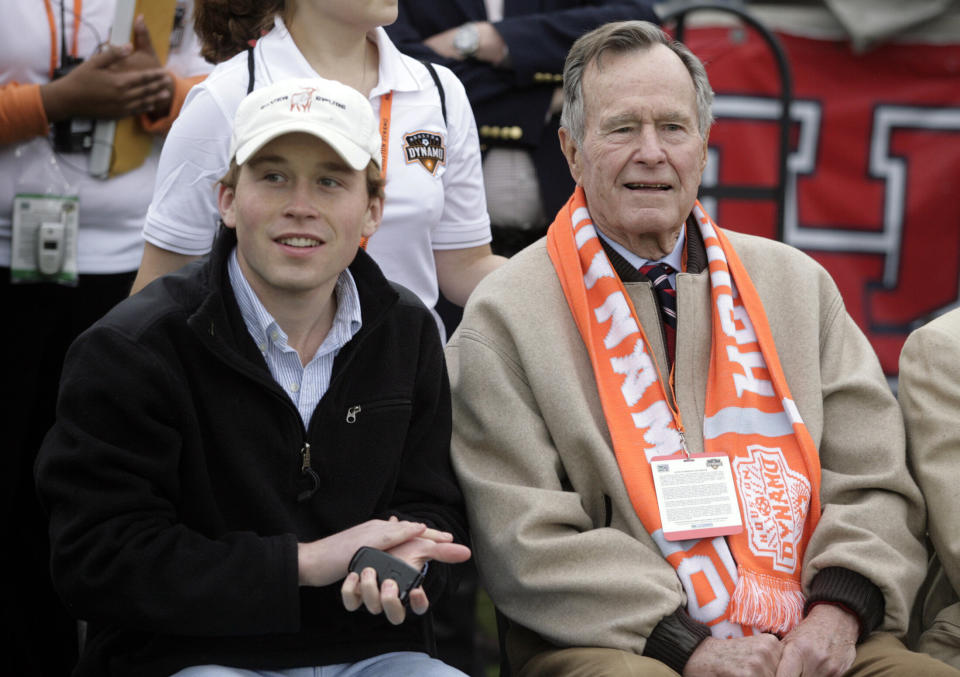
(765,602)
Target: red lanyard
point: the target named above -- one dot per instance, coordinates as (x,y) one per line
(386,104)
(77,11)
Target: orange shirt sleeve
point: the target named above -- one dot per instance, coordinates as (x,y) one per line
(181,86)
(22,115)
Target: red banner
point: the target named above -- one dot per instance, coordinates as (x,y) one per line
(874,167)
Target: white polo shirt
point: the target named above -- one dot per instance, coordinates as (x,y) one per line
(427,206)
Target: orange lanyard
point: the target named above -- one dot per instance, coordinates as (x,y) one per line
(77,11)
(386,104)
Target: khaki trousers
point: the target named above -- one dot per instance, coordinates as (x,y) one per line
(882,655)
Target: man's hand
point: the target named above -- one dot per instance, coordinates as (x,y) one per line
(491,49)
(823,644)
(116,83)
(325,561)
(755,656)
(363,589)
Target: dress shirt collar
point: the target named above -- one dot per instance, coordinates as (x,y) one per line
(673,259)
(265,331)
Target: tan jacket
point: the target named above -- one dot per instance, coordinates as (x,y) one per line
(557,543)
(930,397)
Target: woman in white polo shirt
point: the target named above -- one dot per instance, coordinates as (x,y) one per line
(435,229)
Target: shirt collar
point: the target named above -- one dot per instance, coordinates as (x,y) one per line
(673,259)
(263,328)
(396,71)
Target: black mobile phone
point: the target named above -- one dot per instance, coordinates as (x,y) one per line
(388,566)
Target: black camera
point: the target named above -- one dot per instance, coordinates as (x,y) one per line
(73,135)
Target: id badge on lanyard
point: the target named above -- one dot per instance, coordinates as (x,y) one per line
(696,496)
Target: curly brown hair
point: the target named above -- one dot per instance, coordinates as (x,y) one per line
(226,27)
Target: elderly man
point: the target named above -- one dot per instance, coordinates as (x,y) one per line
(930,397)
(740,508)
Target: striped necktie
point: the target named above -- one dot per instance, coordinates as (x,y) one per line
(659,274)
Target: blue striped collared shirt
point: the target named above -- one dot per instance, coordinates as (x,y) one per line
(304,385)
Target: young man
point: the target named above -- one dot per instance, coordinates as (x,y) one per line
(228,438)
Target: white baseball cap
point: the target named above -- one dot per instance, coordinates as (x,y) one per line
(327,109)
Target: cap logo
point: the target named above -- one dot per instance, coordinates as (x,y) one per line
(302,100)
(426,148)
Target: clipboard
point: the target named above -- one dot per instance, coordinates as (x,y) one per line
(122,145)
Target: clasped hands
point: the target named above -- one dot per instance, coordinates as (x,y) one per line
(822,645)
(325,561)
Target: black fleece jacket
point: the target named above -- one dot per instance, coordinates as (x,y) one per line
(177,486)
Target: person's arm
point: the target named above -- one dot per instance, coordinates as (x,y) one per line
(94,89)
(540,42)
(182,219)
(108,475)
(460,270)
(866,554)
(929,392)
(461,239)
(156,262)
(537,43)
(22,115)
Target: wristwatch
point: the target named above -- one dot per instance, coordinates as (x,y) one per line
(467,40)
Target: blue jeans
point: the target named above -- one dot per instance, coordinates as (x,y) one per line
(385,665)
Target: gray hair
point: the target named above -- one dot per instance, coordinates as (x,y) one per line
(618,38)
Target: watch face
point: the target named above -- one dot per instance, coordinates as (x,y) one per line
(466,40)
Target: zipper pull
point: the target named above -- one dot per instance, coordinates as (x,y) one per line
(352,413)
(305,455)
(313,482)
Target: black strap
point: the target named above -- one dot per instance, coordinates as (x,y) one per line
(63,35)
(249,69)
(436,80)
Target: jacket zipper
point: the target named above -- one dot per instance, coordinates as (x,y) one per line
(353,411)
(306,468)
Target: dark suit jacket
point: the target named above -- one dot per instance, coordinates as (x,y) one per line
(510,104)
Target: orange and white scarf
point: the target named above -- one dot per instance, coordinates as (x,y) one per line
(751,580)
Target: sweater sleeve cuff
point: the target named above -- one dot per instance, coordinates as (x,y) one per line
(181,87)
(22,115)
(674,640)
(850,591)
